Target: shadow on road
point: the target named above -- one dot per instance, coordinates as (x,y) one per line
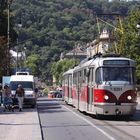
(45,105)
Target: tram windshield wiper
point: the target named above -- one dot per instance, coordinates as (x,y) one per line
(108,82)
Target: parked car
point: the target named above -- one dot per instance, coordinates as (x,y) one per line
(56,94)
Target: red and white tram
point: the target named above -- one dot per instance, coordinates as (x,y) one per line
(67,86)
(103,85)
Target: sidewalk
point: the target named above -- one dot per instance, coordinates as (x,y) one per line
(20,125)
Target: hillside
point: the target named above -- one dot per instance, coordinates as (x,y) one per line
(50,27)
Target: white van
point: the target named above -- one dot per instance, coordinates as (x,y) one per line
(27,81)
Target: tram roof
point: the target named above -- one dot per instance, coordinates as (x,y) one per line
(70,71)
(98,61)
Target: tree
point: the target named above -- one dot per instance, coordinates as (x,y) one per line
(58,68)
(32,63)
(59,24)
(5,53)
(132,39)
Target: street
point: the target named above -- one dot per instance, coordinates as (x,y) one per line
(60,122)
(54,120)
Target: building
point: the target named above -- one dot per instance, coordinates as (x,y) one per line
(101,44)
(79,53)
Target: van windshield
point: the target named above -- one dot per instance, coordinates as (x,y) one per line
(25,85)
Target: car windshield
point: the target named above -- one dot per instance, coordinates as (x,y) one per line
(123,74)
(26,85)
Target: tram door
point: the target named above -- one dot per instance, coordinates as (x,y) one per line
(79,88)
(90,90)
(70,88)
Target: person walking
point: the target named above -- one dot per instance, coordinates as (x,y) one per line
(20,95)
(0,94)
(8,102)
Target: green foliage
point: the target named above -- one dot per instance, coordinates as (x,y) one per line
(32,63)
(46,90)
(3,58)
(53,26)
(4,53)
(132,38)
(58,68)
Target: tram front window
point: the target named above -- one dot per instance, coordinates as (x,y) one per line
(114,74)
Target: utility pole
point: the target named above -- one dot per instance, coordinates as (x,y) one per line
(8,36)
(8,24)
(19,25)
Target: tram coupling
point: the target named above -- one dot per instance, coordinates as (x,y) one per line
(118,112)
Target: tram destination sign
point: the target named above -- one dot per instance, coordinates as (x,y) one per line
(116,62)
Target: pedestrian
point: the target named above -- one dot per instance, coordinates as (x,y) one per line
(8,102)
(0,94)
(36,92)
(20,95)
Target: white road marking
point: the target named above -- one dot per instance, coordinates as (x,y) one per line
(102,131)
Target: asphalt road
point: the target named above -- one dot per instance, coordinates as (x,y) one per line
(62,122)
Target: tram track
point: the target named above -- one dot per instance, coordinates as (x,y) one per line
(116,125)
(121,132)
(121,127)
(109,127)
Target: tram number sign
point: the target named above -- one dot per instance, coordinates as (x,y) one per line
(117,89)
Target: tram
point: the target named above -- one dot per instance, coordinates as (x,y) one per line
(102,85)
(68,86)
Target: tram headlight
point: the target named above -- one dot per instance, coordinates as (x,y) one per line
(129,97)
(106,97)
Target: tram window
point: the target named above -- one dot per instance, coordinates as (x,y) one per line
(84,76)
(70,79)
(118,74)
(66,80)
(80,77)
(74,78)
(125,74)
(133,73)
(98,79)
(92,79)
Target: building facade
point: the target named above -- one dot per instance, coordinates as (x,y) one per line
(101,44)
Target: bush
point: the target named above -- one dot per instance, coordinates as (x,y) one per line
(46,90)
